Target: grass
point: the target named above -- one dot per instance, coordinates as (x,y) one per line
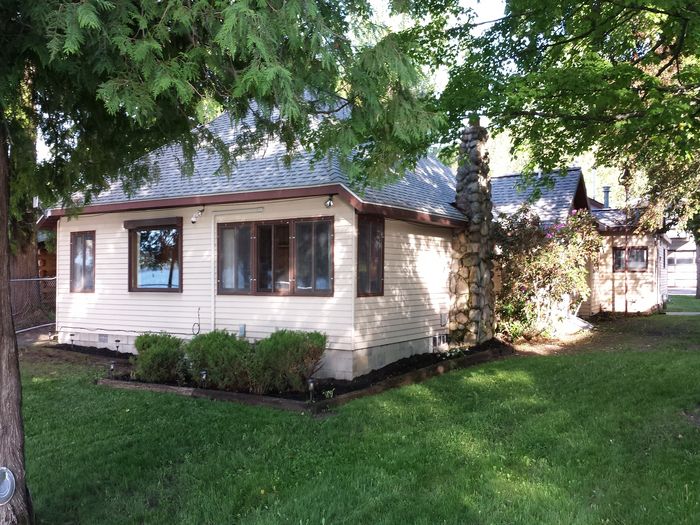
(596,436)
(683,303)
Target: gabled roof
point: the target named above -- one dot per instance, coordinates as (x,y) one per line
(426,192)
(554,204)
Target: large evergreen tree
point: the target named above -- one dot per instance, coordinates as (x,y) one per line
(105,81)
(619,77)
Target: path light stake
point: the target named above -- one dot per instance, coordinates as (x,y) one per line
(72,336)
(7,485)
(117,341)
(111,369)
(203,378)
(311,384)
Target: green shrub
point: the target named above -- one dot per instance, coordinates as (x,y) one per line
(285,360)
(161,359)
(224,357)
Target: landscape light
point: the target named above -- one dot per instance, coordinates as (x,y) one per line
(203,377)
(111,369)
(311,384)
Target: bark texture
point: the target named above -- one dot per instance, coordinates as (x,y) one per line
(18,510)
(471,276)
(697,267)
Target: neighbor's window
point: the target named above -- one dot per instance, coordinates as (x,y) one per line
(636,260)
(82,256)
(155,248)
(313,257)
(235,258)
(290,257)
(370,255)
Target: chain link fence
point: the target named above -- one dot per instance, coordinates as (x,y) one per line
(33,302)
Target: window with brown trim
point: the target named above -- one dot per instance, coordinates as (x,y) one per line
(276,257)
(370,255)
(155,255)
(636,259)
(82,262)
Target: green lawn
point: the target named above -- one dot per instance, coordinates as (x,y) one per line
(683,303)
(590,437)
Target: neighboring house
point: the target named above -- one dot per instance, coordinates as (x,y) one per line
(631,280)
(682,261)
(274,246)
(631,274)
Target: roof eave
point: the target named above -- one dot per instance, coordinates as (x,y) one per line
(51,217)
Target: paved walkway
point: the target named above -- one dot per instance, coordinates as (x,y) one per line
(681,291)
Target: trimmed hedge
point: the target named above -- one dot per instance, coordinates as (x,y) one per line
(282,362)
(161,359)
(285,360)
(224,357)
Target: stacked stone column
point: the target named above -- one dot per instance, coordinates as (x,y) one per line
(471,276)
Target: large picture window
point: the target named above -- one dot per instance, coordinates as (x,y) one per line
(370,256)
(283,257)
(155,255)
(82,262)
(635,260)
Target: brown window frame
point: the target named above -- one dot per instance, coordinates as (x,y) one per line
(626,252)
(134,226)
(73,235)
(254,263)
(377,219)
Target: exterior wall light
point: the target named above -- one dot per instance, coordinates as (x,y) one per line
(329,202)
(197,215)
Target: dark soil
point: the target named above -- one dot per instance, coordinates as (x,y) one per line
(336,387)
(400,367)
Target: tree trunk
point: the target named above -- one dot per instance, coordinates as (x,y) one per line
(18,509)
(697,267)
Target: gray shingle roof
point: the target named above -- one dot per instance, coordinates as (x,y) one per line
(615,217)
(554,204)
(430,188)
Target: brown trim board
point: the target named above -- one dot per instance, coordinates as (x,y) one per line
(51,218)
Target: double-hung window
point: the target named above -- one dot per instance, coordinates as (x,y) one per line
(82,262)
(291,257)
(155,255)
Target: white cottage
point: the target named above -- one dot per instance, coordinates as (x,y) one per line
(274,246)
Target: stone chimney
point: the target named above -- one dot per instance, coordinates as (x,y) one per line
(471,277)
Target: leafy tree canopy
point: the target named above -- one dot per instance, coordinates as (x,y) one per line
(107,81)
(618,77)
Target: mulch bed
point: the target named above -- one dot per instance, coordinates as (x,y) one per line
(404,372)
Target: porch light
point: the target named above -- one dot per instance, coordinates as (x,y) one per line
(7,485)
(197,215)
(311,384)
(329,202)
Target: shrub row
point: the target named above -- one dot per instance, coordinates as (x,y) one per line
(282,362)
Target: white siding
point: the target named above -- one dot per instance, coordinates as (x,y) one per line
(416,275)
(114,311)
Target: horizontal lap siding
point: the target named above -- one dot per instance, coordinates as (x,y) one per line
(416,273)
(113,309)
(263,314)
